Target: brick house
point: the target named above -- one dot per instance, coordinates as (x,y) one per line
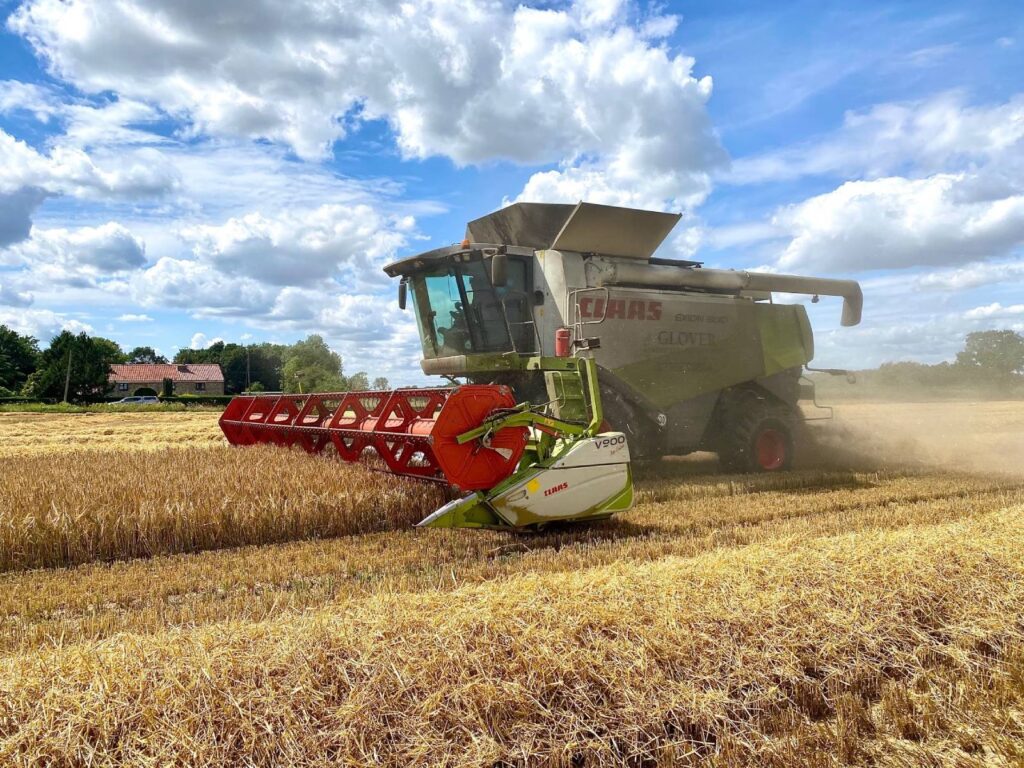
(147,379)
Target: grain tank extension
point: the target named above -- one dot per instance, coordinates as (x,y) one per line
(687,358)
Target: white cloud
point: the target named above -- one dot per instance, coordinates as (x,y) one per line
(578,86)
(11,297)
(200,341)
(301,247)
(16,210)
(105,122)
(77,256)
(972,275)
(896,222)
(995,310)
(28,177)
(130,318)
(28,97)
(941,186)
(276,268)
(69,170)
(43,324)
(924,136)
(195,286)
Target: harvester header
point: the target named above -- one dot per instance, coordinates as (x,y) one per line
(475,437)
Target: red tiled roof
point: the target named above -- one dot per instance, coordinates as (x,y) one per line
(149,373)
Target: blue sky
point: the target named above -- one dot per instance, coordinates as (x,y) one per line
(177,172)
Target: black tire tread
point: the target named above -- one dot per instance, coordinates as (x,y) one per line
(744,413)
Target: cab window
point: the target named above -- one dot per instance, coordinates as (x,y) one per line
(459,312)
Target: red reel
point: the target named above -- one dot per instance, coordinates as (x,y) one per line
(413,431)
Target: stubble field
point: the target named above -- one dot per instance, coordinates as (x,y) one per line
(167,600)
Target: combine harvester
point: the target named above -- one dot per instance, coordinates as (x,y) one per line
(578,347)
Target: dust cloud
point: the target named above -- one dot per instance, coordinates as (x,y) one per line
(968,436)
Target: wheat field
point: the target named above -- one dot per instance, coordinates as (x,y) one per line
(167,600)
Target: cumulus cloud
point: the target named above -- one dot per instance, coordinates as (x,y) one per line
(201,341)
(43,324)
(78,256)
(133,318)
(579,86)
(896,222)
(70,170)
(16,209)
(11,297)
(941,185)
(28,177)
(199,287)
(922,136)
(300,248)
(275,267)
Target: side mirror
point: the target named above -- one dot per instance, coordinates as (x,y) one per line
(402,290)
(499,270)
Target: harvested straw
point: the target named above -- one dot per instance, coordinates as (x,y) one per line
(762,655)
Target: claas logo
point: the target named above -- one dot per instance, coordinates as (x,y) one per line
(555,489)
(593,308)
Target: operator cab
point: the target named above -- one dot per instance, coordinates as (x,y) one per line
(471,299)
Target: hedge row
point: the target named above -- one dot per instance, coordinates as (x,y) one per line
(198,399)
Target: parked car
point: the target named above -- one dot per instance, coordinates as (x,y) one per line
(138,400)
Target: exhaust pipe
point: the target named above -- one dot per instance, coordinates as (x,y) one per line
(734,282)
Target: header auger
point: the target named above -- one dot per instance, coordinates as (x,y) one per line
(521,467)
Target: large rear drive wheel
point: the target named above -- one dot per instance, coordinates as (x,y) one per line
(758,437)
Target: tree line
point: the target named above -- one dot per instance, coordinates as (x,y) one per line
(989,361)
(80,363)
(990,364)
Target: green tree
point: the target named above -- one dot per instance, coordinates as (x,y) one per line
(267,363)
(212,354)
(109,350)
(232,364)
(381,382)
(241,365)
(90,360)
(145,355)
(996,352)
(358,382)
(19,356)
(312,366)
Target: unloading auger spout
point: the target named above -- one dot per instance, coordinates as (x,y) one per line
(515,465)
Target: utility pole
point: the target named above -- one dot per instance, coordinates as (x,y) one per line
(67,376)
(248,376)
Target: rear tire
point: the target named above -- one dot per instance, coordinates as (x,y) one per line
(758,436)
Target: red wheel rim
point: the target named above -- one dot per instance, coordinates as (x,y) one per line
(770,449)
